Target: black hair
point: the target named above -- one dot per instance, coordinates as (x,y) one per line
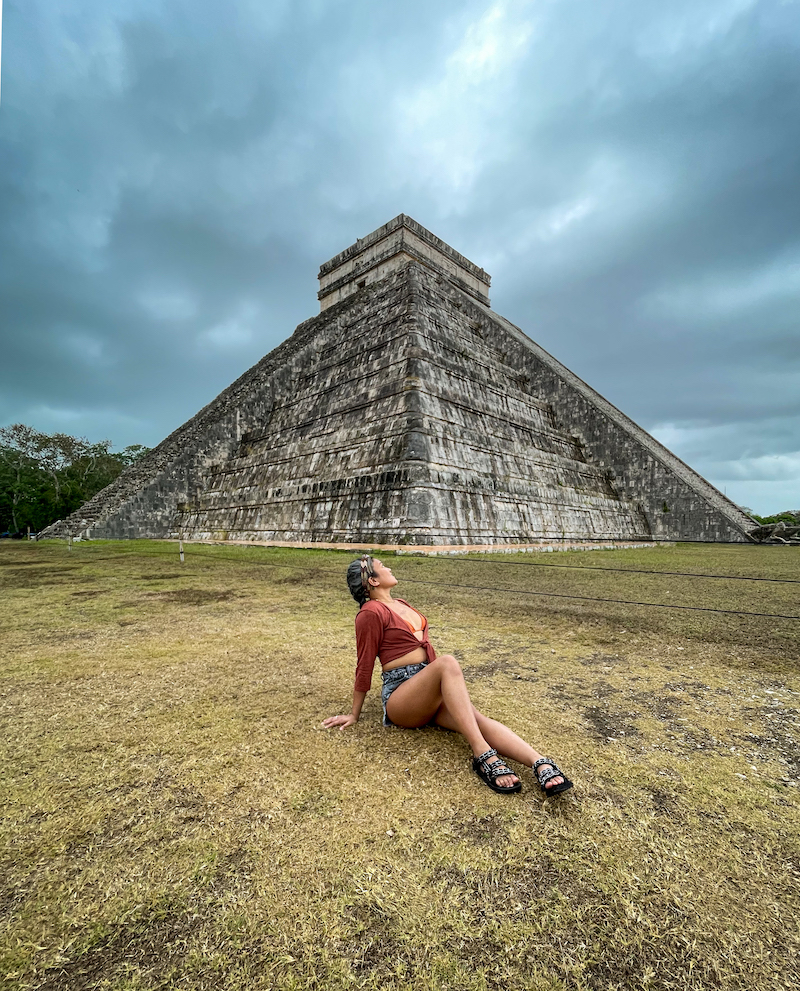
(356,579)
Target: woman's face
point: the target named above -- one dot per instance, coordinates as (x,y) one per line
(382,576)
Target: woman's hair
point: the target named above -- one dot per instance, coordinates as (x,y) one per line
(358,574)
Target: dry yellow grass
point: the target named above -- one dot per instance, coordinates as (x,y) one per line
(174,816)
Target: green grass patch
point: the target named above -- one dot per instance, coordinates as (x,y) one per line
(174,815)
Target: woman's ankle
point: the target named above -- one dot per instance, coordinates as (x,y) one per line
(485,749)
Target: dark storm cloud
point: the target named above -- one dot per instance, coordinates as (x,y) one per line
(173,174)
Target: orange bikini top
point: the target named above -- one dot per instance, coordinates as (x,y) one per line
(421,630)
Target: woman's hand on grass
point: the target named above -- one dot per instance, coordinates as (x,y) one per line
(341,721)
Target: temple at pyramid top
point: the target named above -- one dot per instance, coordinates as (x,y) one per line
(388,249)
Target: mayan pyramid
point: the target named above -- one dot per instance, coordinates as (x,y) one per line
(408,412)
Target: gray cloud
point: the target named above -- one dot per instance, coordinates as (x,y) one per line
(173,174)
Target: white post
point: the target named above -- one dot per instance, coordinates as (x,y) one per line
(180,548)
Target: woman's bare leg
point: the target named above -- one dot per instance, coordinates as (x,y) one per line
(441,687)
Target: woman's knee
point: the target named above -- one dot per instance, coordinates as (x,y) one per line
(448,661)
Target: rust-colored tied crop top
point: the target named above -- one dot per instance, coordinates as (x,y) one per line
(381,633)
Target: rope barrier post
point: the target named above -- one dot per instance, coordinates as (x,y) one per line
(180,547)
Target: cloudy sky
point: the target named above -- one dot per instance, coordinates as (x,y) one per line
(173,173)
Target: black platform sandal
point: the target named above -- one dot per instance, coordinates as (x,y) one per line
(491,772)
(552,771)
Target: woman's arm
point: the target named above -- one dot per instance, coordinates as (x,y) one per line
(369,633)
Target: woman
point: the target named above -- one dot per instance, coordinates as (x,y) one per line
(421,689)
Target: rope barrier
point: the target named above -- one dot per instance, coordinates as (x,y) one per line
(630,571)
(548,595)
(593,598)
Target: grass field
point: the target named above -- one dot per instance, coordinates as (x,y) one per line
(175,817)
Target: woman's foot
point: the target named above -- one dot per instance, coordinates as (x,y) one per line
(546,764)
(507,780)
(495,773)
(550,777)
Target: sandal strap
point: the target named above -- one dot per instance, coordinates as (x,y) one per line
(498,770)
(484,757)
(553,771)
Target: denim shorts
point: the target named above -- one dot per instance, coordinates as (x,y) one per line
(394,679)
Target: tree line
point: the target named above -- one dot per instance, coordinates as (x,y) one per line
(45,477)
(791,517)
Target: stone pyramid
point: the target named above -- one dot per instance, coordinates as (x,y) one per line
(408,412)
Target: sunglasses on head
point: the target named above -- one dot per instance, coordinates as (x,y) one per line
(367,571)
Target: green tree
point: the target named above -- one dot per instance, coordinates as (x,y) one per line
(45,477)
(20,479)
(788,516)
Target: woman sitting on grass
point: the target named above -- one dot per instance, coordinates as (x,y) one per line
(421,689)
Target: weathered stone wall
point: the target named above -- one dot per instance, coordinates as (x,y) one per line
(332,461)
(676,502)
(410,413)
(143,501)
(387,438)
(500,465)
